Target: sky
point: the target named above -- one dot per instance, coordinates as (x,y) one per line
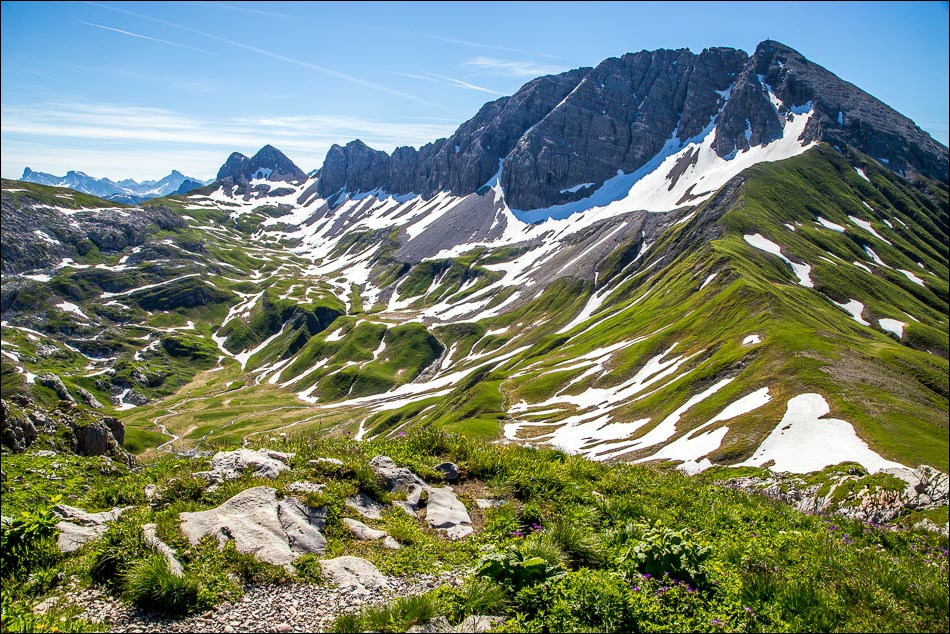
(136,89)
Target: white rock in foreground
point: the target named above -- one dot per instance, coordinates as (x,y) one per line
(265,463)
(273,530)
(353,571)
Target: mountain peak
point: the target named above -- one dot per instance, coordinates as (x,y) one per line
(268,163)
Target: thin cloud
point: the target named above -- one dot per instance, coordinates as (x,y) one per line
(492,47)
(163,131)
(514,68)
(290,60)
(450,81)
(231,7)
(146,37)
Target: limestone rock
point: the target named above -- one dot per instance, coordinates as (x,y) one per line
(55,383)
(79,527)
(149,531)
(353,571)
(446,512)
(89,398)
(366,506)
(17,431)
(274,530)
(232,464)
(478,623)
(363,532)
(437,625)
(398,479)
(301,486)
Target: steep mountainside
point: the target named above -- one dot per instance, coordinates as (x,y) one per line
(709,259)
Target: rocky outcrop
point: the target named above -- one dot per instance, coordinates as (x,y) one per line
(259,523)
(851,495)
(847,115)
(68,427)
(79,527)
(462,163)
(229,465)
(17,431)
(443,510)
(37,236)
(55,383)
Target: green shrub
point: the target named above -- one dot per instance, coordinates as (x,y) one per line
(581,545)
(28,543)
(533,562)
(663,551)
(478,595)
(250,569)
(398,616)
(115,553)
(308,569)
(150,585)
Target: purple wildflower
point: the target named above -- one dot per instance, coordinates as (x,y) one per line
(636,588)
(647,575)
(401,434)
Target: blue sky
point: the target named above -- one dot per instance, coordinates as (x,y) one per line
(136,89)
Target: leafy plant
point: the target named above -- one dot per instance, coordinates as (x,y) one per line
(519,565)
(663,551)
(27,543)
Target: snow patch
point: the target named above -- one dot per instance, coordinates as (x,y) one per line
(804,441)
(855,309)
(913,278)
(830,225)
(764,244)
(893,325)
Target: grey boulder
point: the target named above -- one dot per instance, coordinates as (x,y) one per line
(264,462)
(353,571)
(273,530)
(79,527)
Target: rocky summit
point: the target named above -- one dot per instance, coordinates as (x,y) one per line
(663,335)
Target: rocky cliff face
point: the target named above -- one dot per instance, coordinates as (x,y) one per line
(561,136)
(460,164)
(849,116)
(36,236)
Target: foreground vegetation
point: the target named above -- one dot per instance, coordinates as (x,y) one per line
(569,545)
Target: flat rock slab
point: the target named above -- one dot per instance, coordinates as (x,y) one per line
(366,506)
(302,486)
(446,512)
(79,527)
(264,462)
(363,532)
(273,530)
(353,571)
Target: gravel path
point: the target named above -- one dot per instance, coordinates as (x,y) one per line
(290,608)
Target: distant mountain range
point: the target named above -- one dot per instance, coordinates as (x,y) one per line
(124,191)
